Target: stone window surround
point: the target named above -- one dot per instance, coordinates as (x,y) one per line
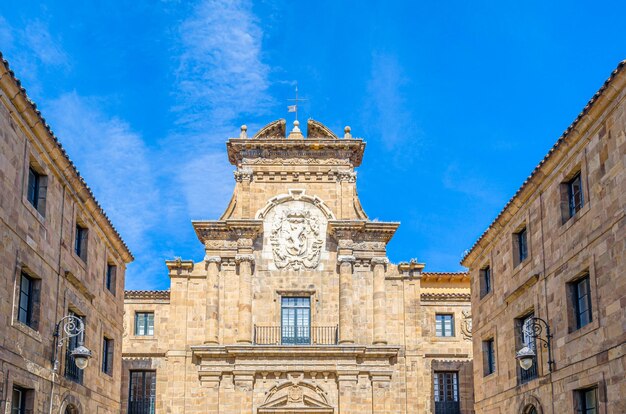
(84,257)
(564,178)
(524,222)
(595,380)
(33,330)
(110,261)
(32,160)
(486,265)
(588,269)
(486,339)
(281,293)
(28,381)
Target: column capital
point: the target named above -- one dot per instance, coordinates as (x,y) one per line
(244,258)
(213,259)
(346,259)
(379,260)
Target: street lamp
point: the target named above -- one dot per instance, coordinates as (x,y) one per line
(71,326)
(533,329)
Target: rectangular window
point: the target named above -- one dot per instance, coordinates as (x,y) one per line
(36,192)
(489,357)
(110,277)
(296,320)
(107,356)
(26,303)
(19,401)
(586,401)
(521,246)
(71,370)
(575,196)
(485,281)
(581,300)
(524,333)
(80,242)
(444,324)
(142,392)
(446,392)
(144,324)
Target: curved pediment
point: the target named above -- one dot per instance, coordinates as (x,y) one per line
(318,130)
(273,130)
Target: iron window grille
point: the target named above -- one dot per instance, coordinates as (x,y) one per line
(72,372)
(525,338)
(142,392)
(446,392)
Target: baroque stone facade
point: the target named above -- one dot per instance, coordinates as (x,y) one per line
(556,252)
(43,201)
(295,307)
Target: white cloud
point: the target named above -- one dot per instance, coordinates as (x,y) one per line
(47,50)
(387,116)
(113,159)
(220,76)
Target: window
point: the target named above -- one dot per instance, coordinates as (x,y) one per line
(71,370)
(36,192)
(489,357)
(485,281)
(25,312)
(575,198)
(110,277)
(520,246)
(80,242)
(585,401)
(107,356)
(142,392)
(144,323)
(21,401)
(446,392)
(296,320)
(444,324)
(525,339)
(581,301)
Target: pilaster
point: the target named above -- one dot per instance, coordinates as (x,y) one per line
(212,299)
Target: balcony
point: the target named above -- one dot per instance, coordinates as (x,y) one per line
(298,335)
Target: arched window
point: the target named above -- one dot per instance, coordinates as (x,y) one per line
(530,409)
(71,409)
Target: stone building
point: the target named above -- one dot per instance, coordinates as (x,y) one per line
(59,255)
(295,307)
(556,252)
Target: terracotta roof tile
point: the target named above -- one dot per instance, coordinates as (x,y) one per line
(147,294)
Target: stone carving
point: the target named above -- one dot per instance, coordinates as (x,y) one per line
(466,325)
(294,161)
(347,175)
(244,258)
(212,259)
(295,395)
(296,240)
(243,174)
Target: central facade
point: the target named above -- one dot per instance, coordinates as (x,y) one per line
(295,307)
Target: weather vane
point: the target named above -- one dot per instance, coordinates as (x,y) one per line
(294,108)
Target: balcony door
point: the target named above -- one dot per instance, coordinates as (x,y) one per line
(296,320)
(446,389)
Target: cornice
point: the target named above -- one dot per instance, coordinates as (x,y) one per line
(231,229)
(362,230)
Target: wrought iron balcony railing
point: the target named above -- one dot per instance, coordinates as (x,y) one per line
(295,335)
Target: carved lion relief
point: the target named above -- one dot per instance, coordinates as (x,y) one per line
(296,239)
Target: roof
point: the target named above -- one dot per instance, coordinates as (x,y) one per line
(71,173)
(147,294)
(500,219)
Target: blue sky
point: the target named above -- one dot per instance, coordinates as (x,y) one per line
(458,102)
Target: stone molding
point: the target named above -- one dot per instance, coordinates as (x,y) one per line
(346,175)
(346,259)
(295,195)
(212,259)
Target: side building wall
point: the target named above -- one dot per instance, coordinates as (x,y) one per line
(37,256)
(562,251)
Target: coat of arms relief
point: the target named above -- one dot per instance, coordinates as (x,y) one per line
(297,239)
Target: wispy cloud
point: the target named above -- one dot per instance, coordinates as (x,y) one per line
(473,186)
(46,49)
(220,76)
(386,114)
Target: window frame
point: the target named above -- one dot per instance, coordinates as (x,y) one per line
(524,376)
(522,244)
(36,188)
(581,403)
(30,296)
(485,281)
(443,334)
(489,356)
(110,277)
(575,298)
(22,403)
(572,206)
(108,354)
(144,397)
(301,333)
(81,237)
(146,325)
(71,371)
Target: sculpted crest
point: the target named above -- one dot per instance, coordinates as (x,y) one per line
(296,239)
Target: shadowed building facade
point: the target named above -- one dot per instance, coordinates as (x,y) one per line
(554,258)
(295,307)
(59,256)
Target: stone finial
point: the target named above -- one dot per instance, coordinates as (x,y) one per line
(295,132)
(347,134)
(244,132)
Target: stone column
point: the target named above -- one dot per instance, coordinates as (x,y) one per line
(245,262)
(346,315)
(212,299)
(379,300)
